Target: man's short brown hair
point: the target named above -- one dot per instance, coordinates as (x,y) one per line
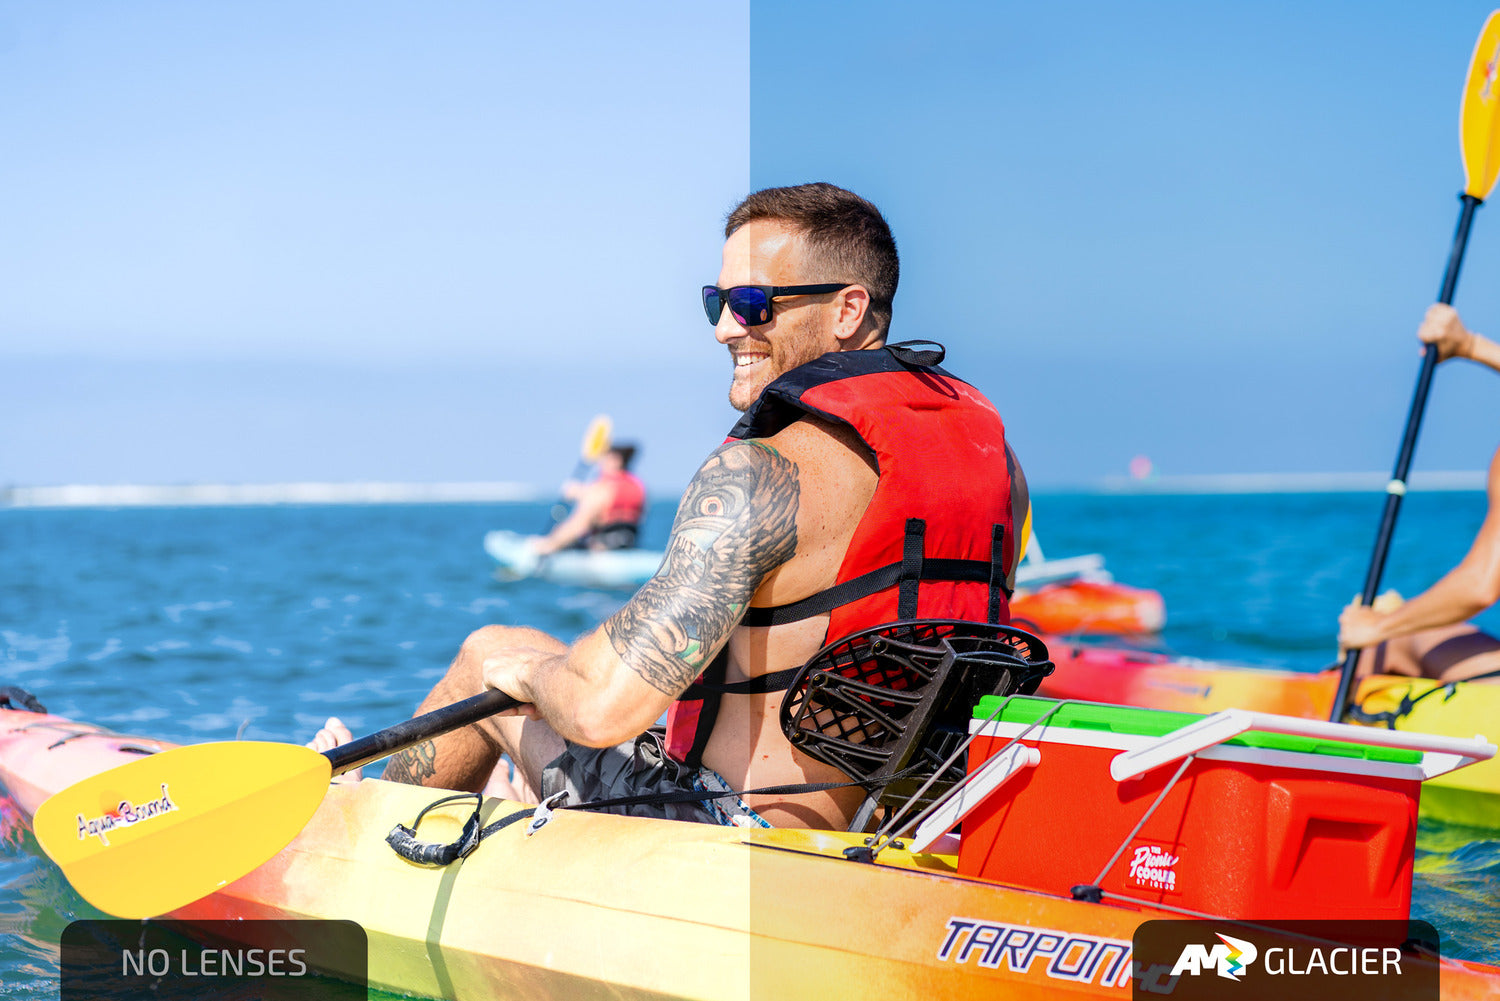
(848,239)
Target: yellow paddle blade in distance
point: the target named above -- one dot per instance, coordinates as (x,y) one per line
(1025,535)
(596,438)
(1479,128)
(152,835)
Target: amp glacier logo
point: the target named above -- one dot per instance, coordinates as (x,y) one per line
(1229,959)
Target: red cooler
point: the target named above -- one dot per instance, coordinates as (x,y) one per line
(1260,826)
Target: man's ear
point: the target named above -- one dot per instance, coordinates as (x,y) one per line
(853,312)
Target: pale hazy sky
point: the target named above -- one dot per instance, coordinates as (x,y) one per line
(275,241)
(269,241)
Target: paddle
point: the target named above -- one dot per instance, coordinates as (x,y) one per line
(595,443)
(1480,145)
(152,835)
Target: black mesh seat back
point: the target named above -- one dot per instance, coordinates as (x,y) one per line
(901,695)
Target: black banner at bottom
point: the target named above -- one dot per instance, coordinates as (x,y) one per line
(1286,960)
(194,960)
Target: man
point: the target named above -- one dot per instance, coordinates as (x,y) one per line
(606,512)
(849,456)
(1428,636)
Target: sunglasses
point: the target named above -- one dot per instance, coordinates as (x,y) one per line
(750,305)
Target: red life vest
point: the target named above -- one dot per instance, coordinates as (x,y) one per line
(628,500)
(937,537)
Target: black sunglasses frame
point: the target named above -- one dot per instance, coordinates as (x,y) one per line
(720,298)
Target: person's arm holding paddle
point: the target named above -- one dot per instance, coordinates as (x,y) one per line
(589,505)
(1465,591)
(1443,326)
(1436,641)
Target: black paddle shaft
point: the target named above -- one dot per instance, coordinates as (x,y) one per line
(377,745)
(1396,489)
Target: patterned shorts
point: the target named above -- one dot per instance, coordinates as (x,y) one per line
(637,767)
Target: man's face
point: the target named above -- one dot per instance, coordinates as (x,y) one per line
(767,252)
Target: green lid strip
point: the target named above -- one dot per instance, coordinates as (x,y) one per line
(1135,721)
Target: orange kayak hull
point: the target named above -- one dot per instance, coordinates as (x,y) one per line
(1083,607)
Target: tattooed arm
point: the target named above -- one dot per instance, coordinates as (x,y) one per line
(413,765)
(736,524)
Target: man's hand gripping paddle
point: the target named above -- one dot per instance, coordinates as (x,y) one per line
(152,835)
(1479,141)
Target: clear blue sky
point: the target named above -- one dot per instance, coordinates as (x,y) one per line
(276,241)
(1203,232)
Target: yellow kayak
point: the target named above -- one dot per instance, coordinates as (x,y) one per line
(603,906)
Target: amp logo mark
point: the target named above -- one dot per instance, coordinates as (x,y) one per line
(1229,958)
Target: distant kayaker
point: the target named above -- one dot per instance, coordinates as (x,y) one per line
(1429,636)
(853,461)
(606,511)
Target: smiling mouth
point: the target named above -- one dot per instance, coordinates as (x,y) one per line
(746,359)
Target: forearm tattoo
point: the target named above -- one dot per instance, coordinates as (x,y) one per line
(737,522)
(412,765)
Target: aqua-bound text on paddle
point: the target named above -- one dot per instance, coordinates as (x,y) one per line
(124,815)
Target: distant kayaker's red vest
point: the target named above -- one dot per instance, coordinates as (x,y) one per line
(628,501)
(937,536)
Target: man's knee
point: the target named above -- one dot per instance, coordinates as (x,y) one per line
(484,639)
(466,673)
(487,641)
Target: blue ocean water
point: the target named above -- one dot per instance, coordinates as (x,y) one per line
(200,624)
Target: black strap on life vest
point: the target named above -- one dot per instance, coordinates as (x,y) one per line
(913,568)
(907,574)
(776,681)
(711,687)
(708,713)
(997,573)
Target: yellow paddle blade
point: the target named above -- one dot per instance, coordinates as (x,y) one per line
(1025,535)
(1479,129)
(152,835)
(596,438)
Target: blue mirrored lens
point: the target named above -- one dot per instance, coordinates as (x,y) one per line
(749,306)
(712,304)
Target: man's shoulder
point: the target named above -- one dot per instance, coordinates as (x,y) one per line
(816,443)
(835,471)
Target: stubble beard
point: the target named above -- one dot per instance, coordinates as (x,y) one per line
(791,350)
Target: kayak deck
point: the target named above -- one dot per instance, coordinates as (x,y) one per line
(762,914)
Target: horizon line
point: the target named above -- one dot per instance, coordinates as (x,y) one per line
(256,494)
(458,492)
(1431,481)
